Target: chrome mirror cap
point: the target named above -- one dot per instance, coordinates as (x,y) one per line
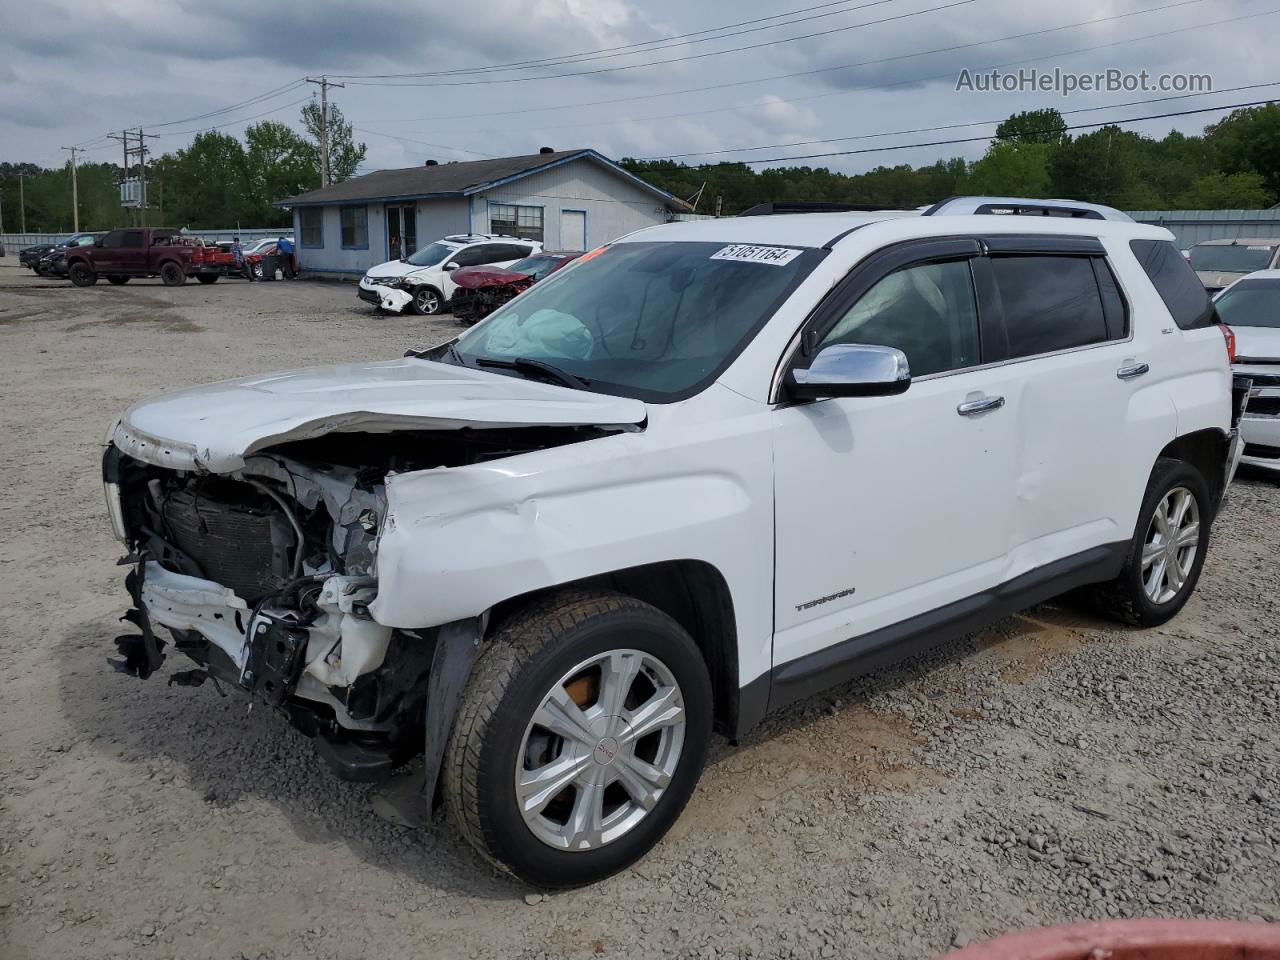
(851,370)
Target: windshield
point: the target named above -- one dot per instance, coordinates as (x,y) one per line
(1231,258)
(1251,303)
(429,256)
(536,267)
(655,321)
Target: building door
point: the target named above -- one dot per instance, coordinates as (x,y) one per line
(402,230)
(573,229)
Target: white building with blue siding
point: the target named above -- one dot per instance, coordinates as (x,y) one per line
(569,200)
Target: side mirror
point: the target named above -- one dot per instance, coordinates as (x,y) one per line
(851,370)
(451,266)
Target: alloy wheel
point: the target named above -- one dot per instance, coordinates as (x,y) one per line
(428,301)
(1173,540)
(600,750)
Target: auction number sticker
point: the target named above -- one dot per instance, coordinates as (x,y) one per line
(749,253)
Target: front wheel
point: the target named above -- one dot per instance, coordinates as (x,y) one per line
(1167,553)
(427,301)
(581,735)
(172,274)
(81,275)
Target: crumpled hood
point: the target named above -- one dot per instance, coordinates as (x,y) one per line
(214,427)
(1257,343)
(393,268)
(470,278)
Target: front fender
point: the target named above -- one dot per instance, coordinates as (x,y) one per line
(457,541)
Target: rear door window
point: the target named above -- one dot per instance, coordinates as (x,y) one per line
(1176,282)
(132,240)
(1050,303)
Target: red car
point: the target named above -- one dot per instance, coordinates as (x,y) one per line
(481,290)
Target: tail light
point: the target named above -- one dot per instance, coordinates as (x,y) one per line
(1230,336)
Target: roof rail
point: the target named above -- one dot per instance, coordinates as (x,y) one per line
(1024,207)
(810,206)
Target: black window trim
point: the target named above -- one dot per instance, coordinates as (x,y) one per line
(856,283)
(993,335)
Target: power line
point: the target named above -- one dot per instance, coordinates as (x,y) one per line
(850,66)
(438,146)
(957,126)
(695,56)
(609,53)
(232,123)
(957,140)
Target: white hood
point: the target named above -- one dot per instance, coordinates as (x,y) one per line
(1257,343)
(394,268)
(214,427)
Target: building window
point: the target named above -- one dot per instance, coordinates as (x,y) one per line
(312,222)
(355,228)
(508,220)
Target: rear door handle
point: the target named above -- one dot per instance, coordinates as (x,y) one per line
(1131,371)
(980,405)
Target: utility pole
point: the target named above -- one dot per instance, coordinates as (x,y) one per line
(325,83)
(75,192)
(22,207)
(139,150)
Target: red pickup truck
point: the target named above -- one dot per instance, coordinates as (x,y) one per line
(123,254)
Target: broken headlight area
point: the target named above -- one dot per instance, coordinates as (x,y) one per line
(264,578)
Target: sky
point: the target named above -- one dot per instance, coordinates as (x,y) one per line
(647,79)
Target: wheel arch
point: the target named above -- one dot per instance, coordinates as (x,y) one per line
(1209,451)
(693,593)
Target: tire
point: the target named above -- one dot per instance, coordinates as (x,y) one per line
(207,278)
(426,302)
(534,656)
(172,274)
(81,275)
(118,281)
(257,271)
(1142,595)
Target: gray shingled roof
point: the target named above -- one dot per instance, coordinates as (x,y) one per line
(450,179)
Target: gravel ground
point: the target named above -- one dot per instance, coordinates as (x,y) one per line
(1053,768)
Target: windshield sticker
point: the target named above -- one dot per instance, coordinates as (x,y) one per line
(1259,248)
(748,253)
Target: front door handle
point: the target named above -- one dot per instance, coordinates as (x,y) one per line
(980,405)
(1132,370)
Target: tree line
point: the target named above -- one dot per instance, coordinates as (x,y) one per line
(1234,164)
(217,181)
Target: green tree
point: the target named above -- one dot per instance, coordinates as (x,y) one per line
(344,153)
(206,185)
(278,164)
(1248,141)
(1225,191)
(1109,165)
(1034,126)
(1012,168)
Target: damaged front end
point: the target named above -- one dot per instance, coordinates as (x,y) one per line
(263,578)
(253,535)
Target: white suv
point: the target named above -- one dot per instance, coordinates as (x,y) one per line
(698,474)
(421,280)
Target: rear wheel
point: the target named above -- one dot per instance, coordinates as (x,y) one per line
(207,277)
(1167,552)
(118,281)
(581,735)
(172,274)
(81,275)
(426,301)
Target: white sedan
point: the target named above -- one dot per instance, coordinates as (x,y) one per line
(1251,307)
